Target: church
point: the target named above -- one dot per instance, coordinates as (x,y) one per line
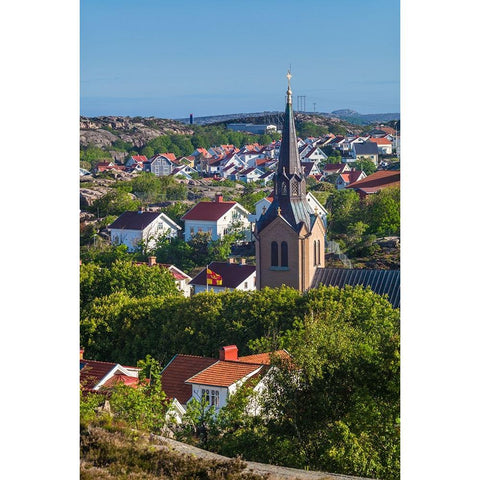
(290,238)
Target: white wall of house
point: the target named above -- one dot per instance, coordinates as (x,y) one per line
(220,227)
(149,235)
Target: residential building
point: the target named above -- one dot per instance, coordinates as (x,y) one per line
(365,151)
(345,179)
(375,182)
(232,276)
(188,377)
(160,165)
(142,227)
(384,145)
(217,218)
(95,375)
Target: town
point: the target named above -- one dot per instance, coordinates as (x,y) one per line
(221,282)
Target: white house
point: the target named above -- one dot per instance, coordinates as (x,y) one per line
(249,175)
(224,276)
(188,377)
(345,179)
(133,228)
(217,218)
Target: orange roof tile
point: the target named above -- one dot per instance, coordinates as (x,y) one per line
(263,358)
(380,141)
(224,373)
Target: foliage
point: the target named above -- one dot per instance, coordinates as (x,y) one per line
(384,212)
(366,165)
(310,129)
(122,275)
(339,408)
(105,256)
(114,202)
(121,453)
(91,155)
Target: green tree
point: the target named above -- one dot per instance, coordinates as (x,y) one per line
(366,165)
(336,404)
(384,212)
(114,203)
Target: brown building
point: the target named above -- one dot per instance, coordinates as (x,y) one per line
(290,241)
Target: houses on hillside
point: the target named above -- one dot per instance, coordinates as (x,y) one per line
(375,182)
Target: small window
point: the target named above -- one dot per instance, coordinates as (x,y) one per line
(274,254)
(284,254)
(245,285)
(314,252)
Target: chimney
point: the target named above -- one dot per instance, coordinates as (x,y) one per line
(230,352)
(152,261)
(218,197)
(81,353)
(243,261)
(231,260)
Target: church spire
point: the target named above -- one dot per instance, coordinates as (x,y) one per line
(289,160)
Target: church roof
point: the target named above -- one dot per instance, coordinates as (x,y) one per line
(380,281)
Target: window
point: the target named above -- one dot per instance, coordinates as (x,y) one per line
(314,252)
(192,231)
(212,397)
(284,254)
(274,254)
(245,285)
(318,252)
(206,394)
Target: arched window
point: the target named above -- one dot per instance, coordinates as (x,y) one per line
(274,254)
(318,253)
(284,254)
(314,252)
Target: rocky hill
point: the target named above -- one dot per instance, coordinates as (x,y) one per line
(104,131)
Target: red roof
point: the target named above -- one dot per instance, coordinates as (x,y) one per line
(380,141)
(377,181)
(351,176)
(224,373)
(263,358)
(92,371)
(140,158)
(209,211)
(180,369)
(121,378)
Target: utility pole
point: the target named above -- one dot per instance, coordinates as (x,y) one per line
(314,105)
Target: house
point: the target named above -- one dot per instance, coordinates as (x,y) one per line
(375,182)
(183,171)
(217,218)
(182,280)
(310,169)
(385,146)
(222,276)
(345,179)
(249,175)
(313,154)
(188,377)
(95,374)
(333,168)
(160,165)
(365,151)
(103,166)
(134,228)
(134,160)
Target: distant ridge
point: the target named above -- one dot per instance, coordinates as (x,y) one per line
(348,115)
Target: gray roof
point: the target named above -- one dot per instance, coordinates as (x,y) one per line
(367,148)
(134,220)
(380,281)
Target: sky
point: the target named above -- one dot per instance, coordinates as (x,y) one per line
(170,58)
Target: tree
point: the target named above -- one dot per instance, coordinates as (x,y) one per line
(135,280)
(366,165)
(336,404)
(384,212)
(114,203)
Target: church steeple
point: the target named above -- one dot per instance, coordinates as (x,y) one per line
(289,181)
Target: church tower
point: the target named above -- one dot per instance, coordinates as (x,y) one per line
(290,238)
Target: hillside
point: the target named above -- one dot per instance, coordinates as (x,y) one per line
(105,131)
(109,455)
(350,116)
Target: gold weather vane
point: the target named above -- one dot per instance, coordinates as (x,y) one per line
(289,90)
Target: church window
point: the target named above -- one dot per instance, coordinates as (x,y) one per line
(318,252)
(314,252)
(295,188)
(284,188)
(274,254)
(284,254)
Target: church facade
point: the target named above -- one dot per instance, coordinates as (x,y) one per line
(290,238)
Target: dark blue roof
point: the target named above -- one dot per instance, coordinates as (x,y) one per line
(380,281)
(366,148)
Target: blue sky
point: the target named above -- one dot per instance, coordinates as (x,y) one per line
(170,58)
